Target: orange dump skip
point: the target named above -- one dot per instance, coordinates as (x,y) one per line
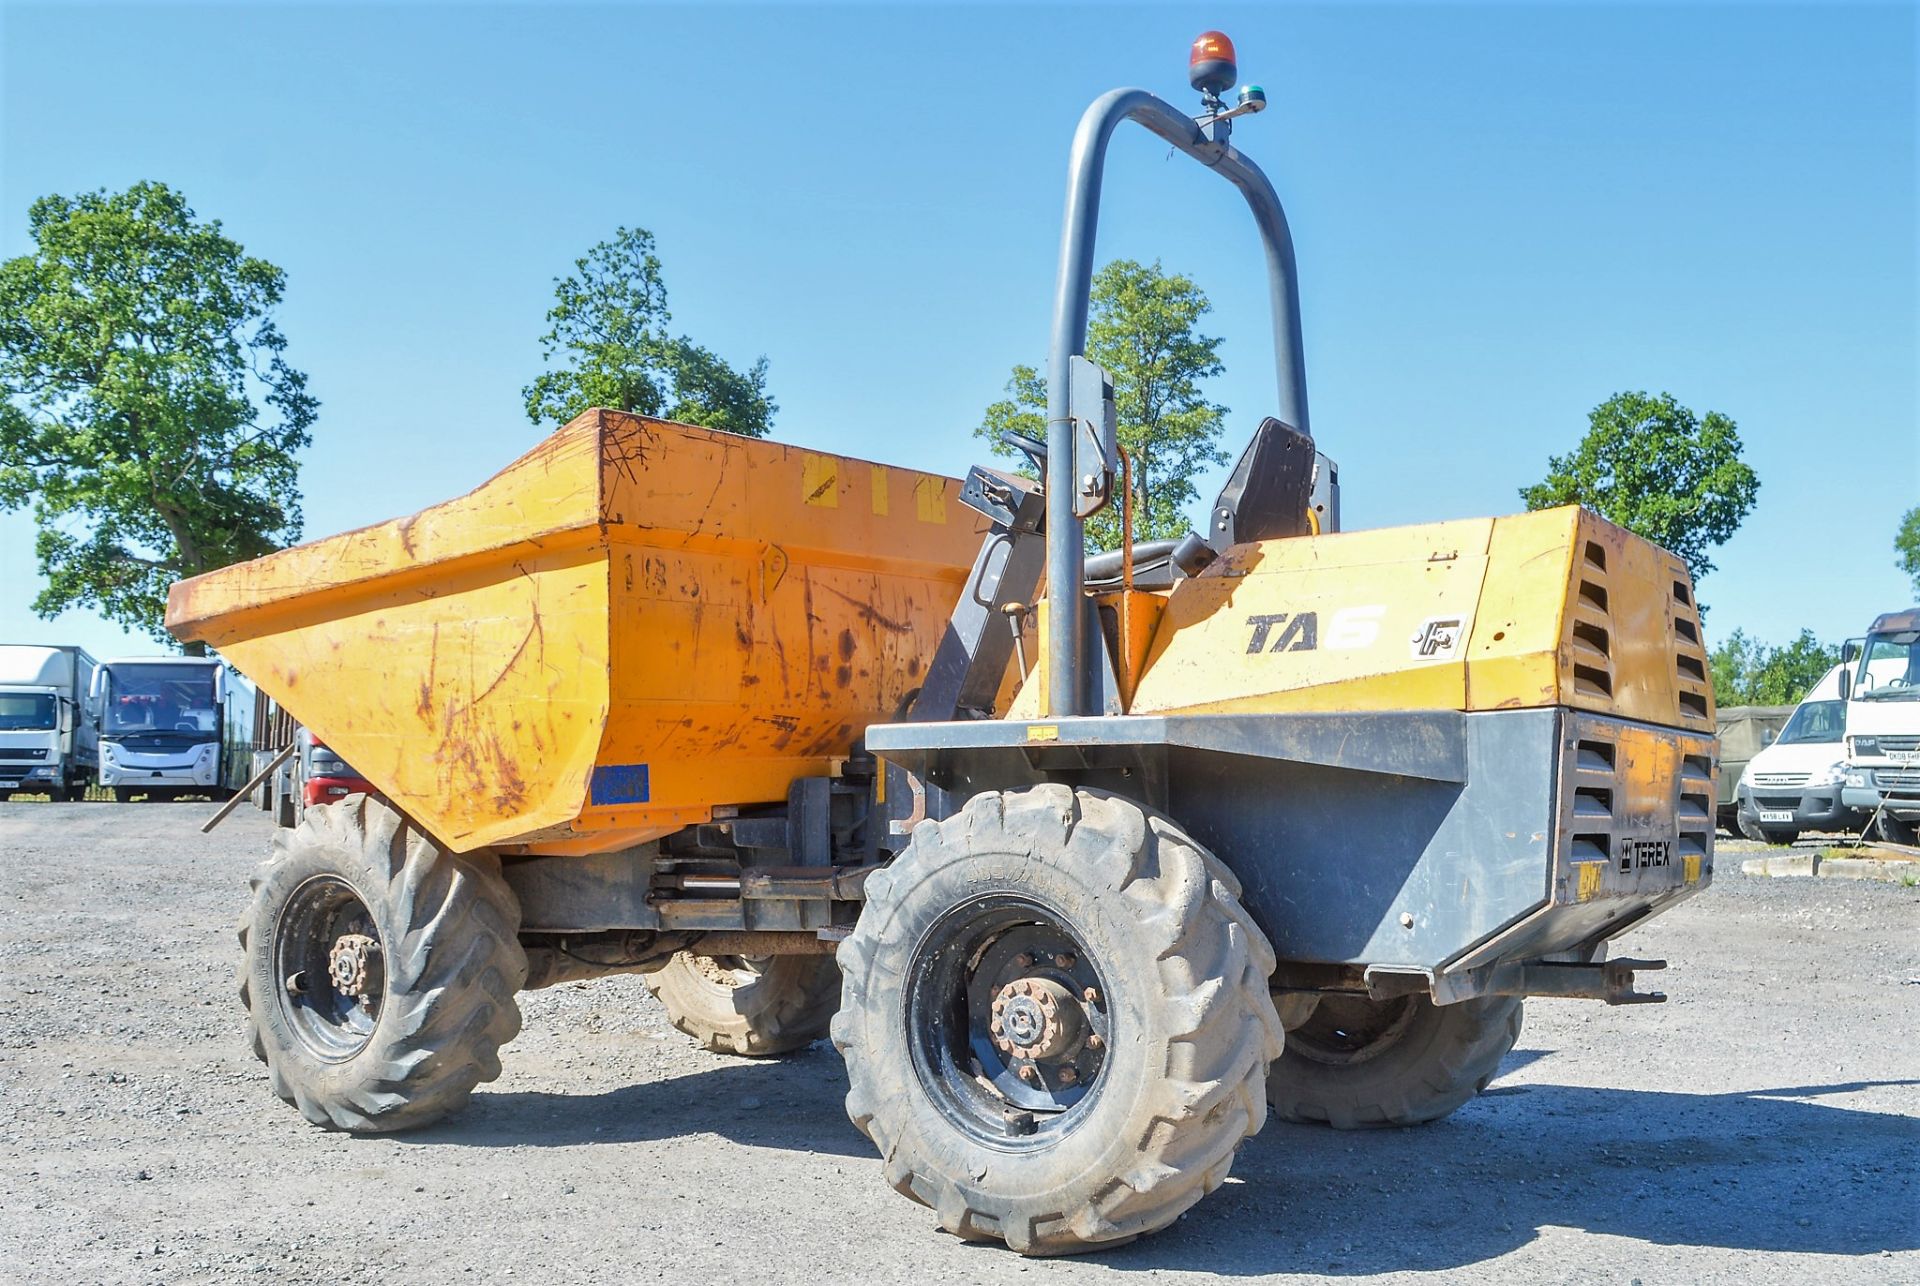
(631,625)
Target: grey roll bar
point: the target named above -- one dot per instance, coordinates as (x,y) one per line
(1066,627)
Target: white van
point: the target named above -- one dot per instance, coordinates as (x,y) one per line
(1797,783)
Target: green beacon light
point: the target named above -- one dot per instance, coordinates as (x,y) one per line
(1252,99)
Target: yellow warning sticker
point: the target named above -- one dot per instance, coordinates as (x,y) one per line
(879,491)
(820,481)
(1589,885)
(1690,868)
(1043,732)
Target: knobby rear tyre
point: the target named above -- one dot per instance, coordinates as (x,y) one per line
(446,927)
(1360,1064)
(752,1008)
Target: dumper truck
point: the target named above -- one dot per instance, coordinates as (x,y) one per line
(1087,864)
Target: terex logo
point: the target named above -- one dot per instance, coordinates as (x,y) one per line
(1348,629)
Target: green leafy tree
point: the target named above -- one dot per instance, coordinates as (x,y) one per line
(1906,546)
(1747,672)
(1657,469)
(608,344)
(1143,328)
(150,419)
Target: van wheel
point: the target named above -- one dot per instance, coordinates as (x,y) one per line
(1753,830)
(378,970)
(1895,831)
(1056,1020)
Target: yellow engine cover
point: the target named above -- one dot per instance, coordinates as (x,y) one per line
(1558,607)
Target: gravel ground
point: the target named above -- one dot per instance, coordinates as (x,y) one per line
(1762,1125)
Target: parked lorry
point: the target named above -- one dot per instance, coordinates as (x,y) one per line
(172,726)
(48,741)
(1881,687)
(1795,782)
(1258,821)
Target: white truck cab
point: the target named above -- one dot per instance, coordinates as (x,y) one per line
(1881,687)
(1797,782)
(47,741)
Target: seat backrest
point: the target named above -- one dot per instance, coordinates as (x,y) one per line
(1269,491)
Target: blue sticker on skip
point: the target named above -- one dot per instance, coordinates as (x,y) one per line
(618,784)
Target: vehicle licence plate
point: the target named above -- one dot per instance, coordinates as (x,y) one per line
(1776,815)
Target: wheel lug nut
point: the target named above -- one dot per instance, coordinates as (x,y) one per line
(1090,995)
(1023,961)
(1094,1041)
(1068,1076)
(1064,960)
(1028,1075)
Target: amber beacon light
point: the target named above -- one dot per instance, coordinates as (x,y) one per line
(1211,66)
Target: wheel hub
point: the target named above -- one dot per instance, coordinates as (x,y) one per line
(1037,1017)
(1343,1030)
(1011,1019)
(326,948)
(355,966)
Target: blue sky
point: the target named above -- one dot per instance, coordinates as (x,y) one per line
(1503,214)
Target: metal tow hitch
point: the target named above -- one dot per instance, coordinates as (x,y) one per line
(1619,982)
(1611,981)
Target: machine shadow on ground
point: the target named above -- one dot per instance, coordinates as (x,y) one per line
(794,1103)
(1760,1171)
(1765,1170)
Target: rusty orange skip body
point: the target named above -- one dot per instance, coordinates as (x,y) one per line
(631,625)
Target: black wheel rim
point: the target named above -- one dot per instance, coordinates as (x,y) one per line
(1351,1029)
(323,932)
(1009,1021)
